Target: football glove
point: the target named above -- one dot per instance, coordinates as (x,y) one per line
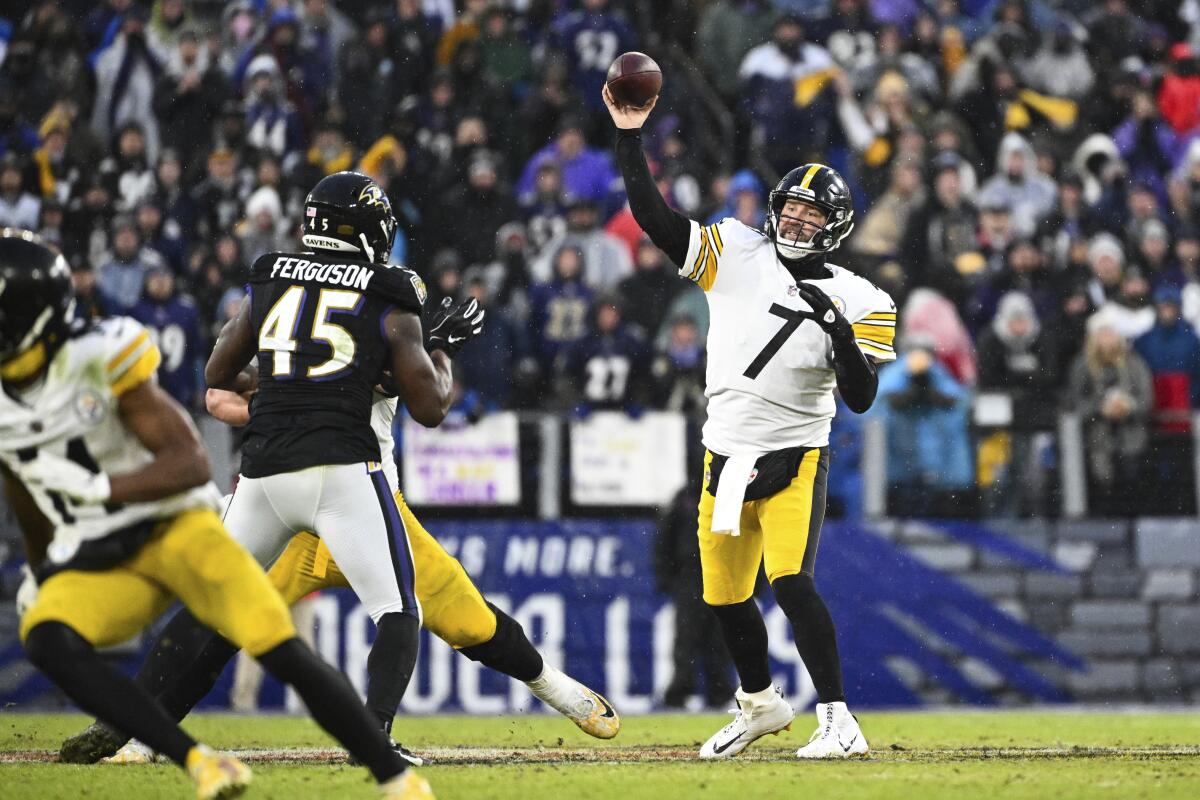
(454,325)
(52,473)
(27,592)
(824,312)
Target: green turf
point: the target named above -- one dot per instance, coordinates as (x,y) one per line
(931,756)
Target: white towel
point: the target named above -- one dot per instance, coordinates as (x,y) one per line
(731,493)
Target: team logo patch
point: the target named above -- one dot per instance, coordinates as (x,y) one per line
(419,286)
(753,475)
(372,195)
(793,290)
(838,303)
(89,406)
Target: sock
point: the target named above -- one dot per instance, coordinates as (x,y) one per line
(335,706)
(101,689)
(815,635)
(390,665)
(746,637)
(508,651)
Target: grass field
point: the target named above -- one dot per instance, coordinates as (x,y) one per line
(916,756)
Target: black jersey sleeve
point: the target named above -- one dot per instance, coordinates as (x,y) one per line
(401,287)
(260,270)
(667,228)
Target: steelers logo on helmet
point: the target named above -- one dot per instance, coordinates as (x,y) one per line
(819,186)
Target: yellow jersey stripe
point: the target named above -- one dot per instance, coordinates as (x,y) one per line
(808,176)
(716,237)
(876,331)
(141,371)
(139,340)
(881,315)
(700,257)
(867,346)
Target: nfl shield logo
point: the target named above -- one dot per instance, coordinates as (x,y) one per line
(793,290)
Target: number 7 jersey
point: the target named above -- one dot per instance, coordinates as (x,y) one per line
(770,380)
(321,350)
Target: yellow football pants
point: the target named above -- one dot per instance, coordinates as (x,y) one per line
(782,530)
(452,608)
(191,557)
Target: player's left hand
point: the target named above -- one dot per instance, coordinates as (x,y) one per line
(454,325)
(825,313)
(49,472)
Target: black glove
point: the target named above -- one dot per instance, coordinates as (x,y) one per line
(454,325)
(824,312)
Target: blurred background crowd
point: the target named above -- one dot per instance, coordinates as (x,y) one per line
(1026,175)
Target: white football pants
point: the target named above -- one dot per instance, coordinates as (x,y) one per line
(351,508)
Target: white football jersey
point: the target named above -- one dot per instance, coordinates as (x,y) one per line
(770,379)
(72,413)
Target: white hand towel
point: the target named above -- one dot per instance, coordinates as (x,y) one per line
(731,493)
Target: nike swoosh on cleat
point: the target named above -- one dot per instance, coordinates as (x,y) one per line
(608,710)
(722,748)
(846,747)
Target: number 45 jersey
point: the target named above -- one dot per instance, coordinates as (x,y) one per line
(770,378)
(318,321)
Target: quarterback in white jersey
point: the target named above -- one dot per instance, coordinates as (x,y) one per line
(786,330)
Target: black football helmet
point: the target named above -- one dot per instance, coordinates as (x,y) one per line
(37,303)
(347,212)
(820,186)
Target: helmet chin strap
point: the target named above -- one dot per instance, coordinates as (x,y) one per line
(370,251)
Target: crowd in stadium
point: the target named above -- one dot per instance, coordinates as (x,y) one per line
(1026,175)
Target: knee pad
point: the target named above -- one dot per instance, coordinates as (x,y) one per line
(795,593)
(52,643)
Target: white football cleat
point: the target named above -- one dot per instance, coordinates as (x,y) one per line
(589,710)
(837,734)
(134,752)
(756,715)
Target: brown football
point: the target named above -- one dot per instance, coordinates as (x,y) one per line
(634,79)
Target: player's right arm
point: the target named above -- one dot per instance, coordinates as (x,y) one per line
(229,407)
(423,379)
(235,346)
(667,228)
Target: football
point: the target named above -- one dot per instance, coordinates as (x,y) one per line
(634,79)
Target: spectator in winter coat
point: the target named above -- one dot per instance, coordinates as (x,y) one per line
(606,368)
(1171,350)
(941,231)
(1027,191)
(18,208)
(590,38)
(1110,388)
(1013,358)
(678,370)
(1179,93)
(930,318)
(472,214)
(647,293)
(188,96)
(929,464)
(128,173)
(122,275)
(1146,141)
(586,172)
(265,228)
(272,122)
(174,325)
(606,257)
(126,74)
(558,308)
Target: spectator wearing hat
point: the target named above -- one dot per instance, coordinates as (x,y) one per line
(18,208)
(264,229)
(1111,389)
(1171,350)
(1024,271)
(51,218)
(53,171)
(941,231)
(606,257)
(1153,254)
(1020,185)
(174,325)
(173,199)
(544,206)
(272,122)
(128,172)
(88,222)
(881,232)
(164,239)
(413,37)
(1146,142)
(1179,92)
(304,70)
(126,74)
(1106,258)
(122,274)
(507,58)
(189,95)
(997,230)
(678,369)
(217,198)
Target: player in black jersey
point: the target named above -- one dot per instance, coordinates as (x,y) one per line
(328,326)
